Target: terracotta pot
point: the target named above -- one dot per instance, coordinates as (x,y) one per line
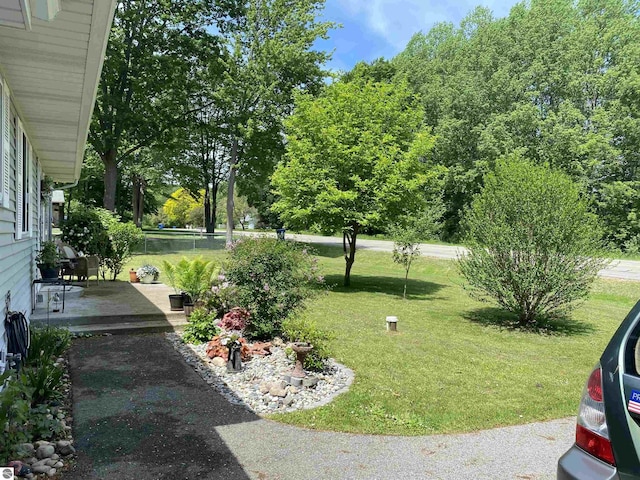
(133,278)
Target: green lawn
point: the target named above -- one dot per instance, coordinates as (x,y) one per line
(453,366)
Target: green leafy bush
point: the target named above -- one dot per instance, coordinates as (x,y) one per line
(15,403)
(272,279)
(46,343)
(44,424)
(532,242)
(83,230)
(201,327)
(123,238)
(221,298)
(297,329)
(45,378)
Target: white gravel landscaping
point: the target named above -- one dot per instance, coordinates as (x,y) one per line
(260,386)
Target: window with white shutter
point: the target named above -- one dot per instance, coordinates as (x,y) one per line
(5,134)
(19,172)
(26,183)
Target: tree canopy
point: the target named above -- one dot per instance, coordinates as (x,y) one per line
(356,157)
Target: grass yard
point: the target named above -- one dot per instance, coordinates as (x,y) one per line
(454,365)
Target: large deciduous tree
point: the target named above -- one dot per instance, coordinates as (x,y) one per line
(355,158)
(270,55)
(555,80)
(146,82)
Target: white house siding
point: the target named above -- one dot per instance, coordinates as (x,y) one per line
(17,255)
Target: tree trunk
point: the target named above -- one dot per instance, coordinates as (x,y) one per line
(349,238)
(110,178)
(232,180)
(207,209)
(137,199)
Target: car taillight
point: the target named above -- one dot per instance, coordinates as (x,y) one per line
(592,434)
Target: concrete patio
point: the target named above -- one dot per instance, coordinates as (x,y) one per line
(113,307)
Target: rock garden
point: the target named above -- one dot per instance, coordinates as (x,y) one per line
(247,337)
(35,402)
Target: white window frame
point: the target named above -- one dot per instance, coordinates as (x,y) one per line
(5,145)
(26,206)
(19,180)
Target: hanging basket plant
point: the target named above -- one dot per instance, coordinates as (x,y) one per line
(46,186)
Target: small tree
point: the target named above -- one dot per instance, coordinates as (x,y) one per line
(532,241)
(407,234)
(123,238)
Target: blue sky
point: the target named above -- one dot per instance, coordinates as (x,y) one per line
(382,28)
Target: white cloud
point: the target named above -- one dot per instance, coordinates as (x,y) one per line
(398,20)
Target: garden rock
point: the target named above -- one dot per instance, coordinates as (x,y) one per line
(65,448)
(277,390)
(45,451)
(25,450)
(51,472)
(309,381)
(219,362)
(40,469)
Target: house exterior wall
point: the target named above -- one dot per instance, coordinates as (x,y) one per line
(19,239)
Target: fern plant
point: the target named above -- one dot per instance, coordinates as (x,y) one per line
(192,277)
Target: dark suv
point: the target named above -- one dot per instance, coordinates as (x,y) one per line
(608,428)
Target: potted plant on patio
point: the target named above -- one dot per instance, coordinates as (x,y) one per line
(192,278)
(148,274)
(48,260)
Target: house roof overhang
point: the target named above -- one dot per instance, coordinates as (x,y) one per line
(51,60)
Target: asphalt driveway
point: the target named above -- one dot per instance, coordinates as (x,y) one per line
(140,412)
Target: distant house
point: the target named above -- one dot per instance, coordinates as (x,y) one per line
(57,207)
(51,54)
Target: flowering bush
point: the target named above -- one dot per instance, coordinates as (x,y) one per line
(84,231)
(236,319)
(221,298)
(146,271)
(272,279)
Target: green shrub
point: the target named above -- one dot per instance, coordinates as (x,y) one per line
(201,327)
(123,238)
(532,242)
(46,343)
(272,279)
(83,230)
(44,423)
(45,378)
(221,298)
(15,403)
(297,329)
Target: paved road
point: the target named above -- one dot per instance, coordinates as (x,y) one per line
(140,412)
(619,269)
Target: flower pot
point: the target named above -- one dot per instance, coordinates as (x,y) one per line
(177,302)
(188,308)
(48,273)
(133,278)
(147,279)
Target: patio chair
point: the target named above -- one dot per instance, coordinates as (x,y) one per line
(82,267)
